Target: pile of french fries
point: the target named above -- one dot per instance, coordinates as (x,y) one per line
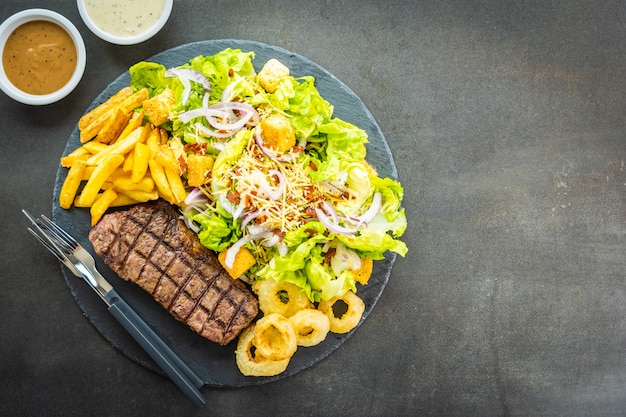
(125,158)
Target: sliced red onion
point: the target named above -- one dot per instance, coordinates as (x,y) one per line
(208,112)
(210,132)
(332,226)
(239,211)
(185,75)
(226,94)
(276,241)
(190,74)
(231,252)
(190,224)
(249,217)
(272,241)
(255,233)
(331,187)
(222,111)
(250,114)
(195,196)
(258,231)
(373,210)
(330,210)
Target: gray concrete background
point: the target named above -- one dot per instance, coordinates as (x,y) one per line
(506,122)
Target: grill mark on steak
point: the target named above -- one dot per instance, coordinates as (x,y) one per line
(150,246)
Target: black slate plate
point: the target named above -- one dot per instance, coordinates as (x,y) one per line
(216,364)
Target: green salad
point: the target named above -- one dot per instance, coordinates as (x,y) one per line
(289,182)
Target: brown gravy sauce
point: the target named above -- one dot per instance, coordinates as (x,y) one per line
(39,57)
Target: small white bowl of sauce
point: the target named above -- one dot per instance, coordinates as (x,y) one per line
(125,22)
(43,57)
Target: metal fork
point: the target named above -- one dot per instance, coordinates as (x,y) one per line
(76,258)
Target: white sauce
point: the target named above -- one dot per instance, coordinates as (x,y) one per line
(124,18)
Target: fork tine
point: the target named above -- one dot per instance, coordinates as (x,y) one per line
(47,245)
(61,232)
(57,235)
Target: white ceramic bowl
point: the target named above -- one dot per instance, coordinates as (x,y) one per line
(25,16)
(108,35)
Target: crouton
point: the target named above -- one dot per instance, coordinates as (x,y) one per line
(243,261)
(158,107)
(198,166)
(362,275)
(277,133)
(272,74)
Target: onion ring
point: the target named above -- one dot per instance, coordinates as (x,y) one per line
(275,337)
(280,297)
(250,362)
(350,318)
(311,326)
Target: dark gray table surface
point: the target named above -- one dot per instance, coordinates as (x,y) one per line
(507,124)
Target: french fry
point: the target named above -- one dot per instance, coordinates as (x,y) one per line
(160,180)
(89,169)
(114,126)
(141,196)
(67,161)
(101,205)
(135,121)
(135,100)
(95,147)
(78,153)
(141,157)
(154,141)
(164,136)
(165,157)
(129,160)
(127,105)
(71,183)
(103,108)
(176,185)
(123,200)
(120,147)
(146,184)
(98,177)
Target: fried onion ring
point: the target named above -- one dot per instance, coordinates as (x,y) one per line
(283,298)
(250,362)
(311,326)
(275,337)
(350,318)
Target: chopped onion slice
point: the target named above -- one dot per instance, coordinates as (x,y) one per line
(221,118)
(185,75)
(210,132)
(373,210)
(256,232)
(231,252)
(228,91)
(333,226)
(249,217)
(190,74)
(208,112)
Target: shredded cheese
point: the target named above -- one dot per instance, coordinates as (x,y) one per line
(254,175)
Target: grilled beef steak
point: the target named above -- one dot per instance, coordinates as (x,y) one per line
(150,246)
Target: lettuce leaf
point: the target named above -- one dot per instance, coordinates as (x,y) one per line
(149,75)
